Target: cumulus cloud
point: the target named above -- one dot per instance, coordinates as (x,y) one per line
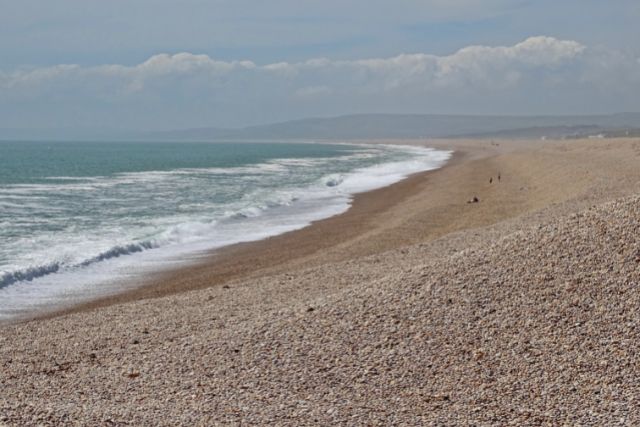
(30,78)
(158,66)
(231,89)
(472,64)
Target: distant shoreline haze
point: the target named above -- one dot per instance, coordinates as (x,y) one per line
(367,126)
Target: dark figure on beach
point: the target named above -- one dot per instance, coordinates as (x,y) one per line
(474,200)
(491,180)
(498,176)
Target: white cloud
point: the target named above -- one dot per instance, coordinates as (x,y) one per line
(481,66)
(230,89)
(545,51)
(34,77)
(505,66)
(471,64)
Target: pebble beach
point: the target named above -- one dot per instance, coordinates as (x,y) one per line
(413,308)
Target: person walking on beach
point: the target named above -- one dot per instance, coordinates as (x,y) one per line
(491,180)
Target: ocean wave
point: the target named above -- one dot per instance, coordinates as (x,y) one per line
(73,184)
(34,272)
(118,251)
(28,274)
(278,196)
(333,180)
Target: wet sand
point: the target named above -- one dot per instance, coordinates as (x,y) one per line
(371,225)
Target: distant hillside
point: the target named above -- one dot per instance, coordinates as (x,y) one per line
(372,126)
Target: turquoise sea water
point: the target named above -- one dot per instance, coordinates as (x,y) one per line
(77,220)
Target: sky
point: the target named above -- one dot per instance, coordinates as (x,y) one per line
(161,64)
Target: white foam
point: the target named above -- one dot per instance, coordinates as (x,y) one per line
(88,268)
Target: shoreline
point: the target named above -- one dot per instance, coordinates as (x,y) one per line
(518,309)
(140,285)
(349,235)
(265,256)
(300,248)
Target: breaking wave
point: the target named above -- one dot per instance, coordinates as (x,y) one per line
(84,229)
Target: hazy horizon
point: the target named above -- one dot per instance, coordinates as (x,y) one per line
(78,65)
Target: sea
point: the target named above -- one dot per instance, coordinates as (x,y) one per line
(84,220)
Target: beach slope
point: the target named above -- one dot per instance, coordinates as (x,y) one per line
(522,308)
